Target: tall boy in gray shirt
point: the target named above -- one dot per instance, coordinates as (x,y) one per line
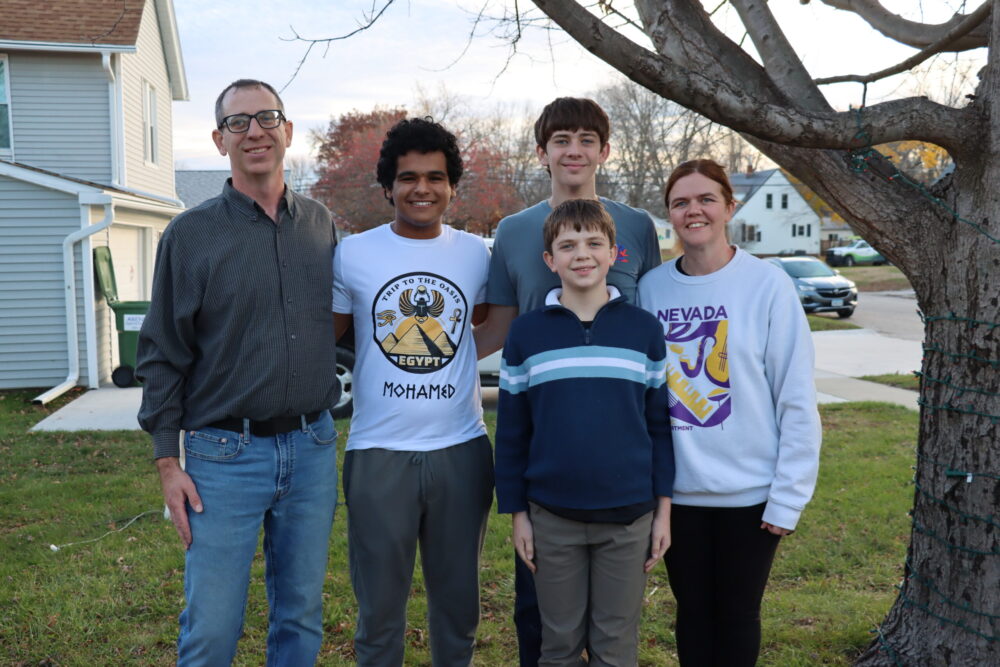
(571,137)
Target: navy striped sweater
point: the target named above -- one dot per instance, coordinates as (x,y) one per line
(583,420)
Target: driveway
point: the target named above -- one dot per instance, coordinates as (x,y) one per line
(889,313)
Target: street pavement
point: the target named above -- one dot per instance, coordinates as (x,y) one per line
(841,358)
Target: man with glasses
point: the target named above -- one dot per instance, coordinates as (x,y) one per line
(237,352)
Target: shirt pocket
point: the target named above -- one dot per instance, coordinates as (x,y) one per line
(318,292)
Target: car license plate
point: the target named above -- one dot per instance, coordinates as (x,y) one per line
(837,302)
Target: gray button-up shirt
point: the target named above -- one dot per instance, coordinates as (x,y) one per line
(240,323)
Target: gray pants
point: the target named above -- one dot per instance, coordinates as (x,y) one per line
(590,584)
(395,500)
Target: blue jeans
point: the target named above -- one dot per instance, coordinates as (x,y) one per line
(288,484)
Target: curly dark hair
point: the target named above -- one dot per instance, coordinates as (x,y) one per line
(424,136)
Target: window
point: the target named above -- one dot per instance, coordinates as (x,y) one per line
(5,136)
(784,201)
(802,230)
(769,201)
(749,234)
(150,146)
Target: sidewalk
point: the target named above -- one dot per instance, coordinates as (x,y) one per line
(841,357)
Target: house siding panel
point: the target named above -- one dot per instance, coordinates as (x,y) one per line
(60,113)
(33,222)
(775,223)
(147,63)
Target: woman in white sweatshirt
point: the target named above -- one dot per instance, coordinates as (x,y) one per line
(743,414)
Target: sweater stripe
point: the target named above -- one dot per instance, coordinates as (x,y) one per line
(591,361)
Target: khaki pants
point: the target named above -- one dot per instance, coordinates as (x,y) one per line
(590,585)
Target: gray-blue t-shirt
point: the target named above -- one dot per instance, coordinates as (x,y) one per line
(519,276)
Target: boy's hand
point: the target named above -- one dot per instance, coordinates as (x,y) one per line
(524,539)
(660,534)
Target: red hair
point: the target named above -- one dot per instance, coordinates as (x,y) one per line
(707,168)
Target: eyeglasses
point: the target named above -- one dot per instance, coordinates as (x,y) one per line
(240,122)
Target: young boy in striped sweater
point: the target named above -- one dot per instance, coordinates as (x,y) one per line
(584,460)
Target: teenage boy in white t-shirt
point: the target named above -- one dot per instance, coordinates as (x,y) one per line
(418,468)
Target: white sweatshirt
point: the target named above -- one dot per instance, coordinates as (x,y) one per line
(742,397)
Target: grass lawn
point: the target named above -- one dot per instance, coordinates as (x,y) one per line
(828,322)
(901,380)
(875,278)
(115,601)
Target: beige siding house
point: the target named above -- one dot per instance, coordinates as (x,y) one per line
(86,160)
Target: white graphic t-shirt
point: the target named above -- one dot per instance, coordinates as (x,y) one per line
(416,386)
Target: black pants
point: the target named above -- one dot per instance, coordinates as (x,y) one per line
(718,563)
(527,619)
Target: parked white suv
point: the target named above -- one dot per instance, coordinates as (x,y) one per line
(857,252)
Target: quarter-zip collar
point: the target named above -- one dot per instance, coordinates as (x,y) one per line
(552,303)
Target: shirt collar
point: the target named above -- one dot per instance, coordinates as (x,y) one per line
(234,196)
(552,298)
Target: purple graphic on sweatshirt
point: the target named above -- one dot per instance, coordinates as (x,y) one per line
(698,367)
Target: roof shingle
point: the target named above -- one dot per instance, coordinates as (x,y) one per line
(110,22)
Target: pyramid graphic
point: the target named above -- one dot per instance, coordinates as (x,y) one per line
(389,341)
(412,341)
(444,344)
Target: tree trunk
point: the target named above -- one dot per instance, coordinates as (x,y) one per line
(948,609)
(946,241)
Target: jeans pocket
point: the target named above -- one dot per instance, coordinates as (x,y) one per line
(213,445)
(323,431)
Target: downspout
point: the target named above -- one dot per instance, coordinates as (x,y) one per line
(114,118)
(69,282)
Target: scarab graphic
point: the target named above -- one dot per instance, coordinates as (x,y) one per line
(422,305)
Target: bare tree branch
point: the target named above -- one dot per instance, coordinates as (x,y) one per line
(683,31)
(369,21)
(912,33)
(781,61)
(732,105)
(972,21)
(114,26)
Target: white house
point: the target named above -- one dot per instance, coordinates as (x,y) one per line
(85,160)
(772,217)
(664,233)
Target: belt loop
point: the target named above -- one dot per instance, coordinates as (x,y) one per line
(305,425)
(246,430)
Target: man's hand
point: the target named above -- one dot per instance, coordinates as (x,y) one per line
(524,539)
(178,493)
(660,534)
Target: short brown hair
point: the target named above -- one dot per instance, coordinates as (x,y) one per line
(244,83)
(707,168)
(570,114)
(580,215)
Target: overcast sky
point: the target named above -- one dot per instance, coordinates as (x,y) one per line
(425,42)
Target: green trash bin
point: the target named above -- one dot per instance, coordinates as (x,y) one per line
(128,318)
